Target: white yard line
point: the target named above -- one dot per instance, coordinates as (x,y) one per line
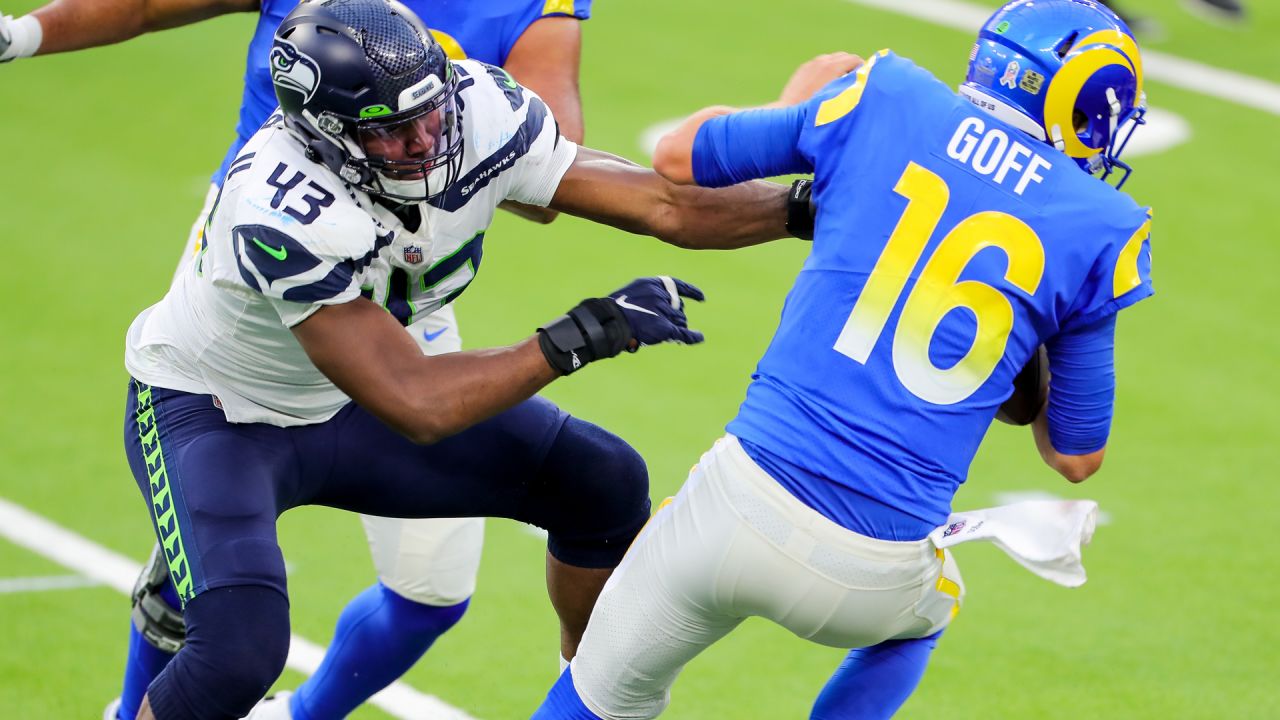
(42,537)
(1179,72)
(45,583)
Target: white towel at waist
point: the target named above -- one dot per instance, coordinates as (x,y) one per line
(1044,536)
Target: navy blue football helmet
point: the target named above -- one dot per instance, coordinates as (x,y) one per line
(372,95)
(1067,72)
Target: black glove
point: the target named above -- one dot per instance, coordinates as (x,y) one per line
(800,209)
(645,312)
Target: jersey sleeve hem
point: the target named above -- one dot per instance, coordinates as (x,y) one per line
(543,189)
(1112,307)
(580,9)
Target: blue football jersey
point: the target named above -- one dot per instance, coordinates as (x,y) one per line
(484,31)
(948,246)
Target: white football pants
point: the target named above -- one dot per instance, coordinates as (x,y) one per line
(733,544)
(431,561)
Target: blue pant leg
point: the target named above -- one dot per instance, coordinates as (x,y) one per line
(873,682)
(214,490)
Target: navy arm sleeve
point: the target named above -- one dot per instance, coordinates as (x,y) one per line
(1082,387)
(749,145)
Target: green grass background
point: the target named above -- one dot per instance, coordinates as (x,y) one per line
(104,159)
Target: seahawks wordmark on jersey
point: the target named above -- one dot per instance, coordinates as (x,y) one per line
(288,236)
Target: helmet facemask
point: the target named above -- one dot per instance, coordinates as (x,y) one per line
(1108,110)
(413,155)
(1122,129)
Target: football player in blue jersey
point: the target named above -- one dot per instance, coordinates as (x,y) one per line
(426,567)
(955,234)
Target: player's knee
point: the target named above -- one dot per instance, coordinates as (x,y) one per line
(598,495)
(253,660)
(237,644)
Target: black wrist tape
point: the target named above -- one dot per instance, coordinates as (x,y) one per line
(594,329)
(800,209)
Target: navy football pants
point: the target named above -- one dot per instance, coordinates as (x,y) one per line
(215,489)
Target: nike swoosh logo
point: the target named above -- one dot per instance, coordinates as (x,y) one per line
(429,336)
(279,253)
(622,302)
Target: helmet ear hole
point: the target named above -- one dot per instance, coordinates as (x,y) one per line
(1079,120)
(1065,46)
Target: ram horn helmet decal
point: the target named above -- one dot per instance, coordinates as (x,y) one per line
(294,70)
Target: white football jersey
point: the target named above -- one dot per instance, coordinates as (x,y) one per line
(288,236)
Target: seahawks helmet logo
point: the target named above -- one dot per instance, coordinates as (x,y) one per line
(294,70)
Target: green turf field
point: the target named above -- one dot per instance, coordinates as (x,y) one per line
(104,162)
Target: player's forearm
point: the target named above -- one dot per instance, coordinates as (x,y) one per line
(78,24)
(702,219)
(449,393)
(369,356)
(1075,468)
(1071,432)
(608,189)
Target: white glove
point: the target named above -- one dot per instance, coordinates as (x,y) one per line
(20,37)
(6,37)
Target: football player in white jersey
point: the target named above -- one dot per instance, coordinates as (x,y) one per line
(363,204)
(426,567)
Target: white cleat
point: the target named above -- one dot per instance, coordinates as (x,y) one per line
(112,710)
(273,707)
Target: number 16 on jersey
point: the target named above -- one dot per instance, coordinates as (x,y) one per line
(939,290)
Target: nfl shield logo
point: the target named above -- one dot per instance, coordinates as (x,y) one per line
(413,254)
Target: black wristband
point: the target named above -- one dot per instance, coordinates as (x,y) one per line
(800,209)
(594,329)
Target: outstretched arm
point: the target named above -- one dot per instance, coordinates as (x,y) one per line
(426,398)
(67,25)
(365,352)
(610,190)
(673,158)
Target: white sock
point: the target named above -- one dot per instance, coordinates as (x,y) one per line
(563,664)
